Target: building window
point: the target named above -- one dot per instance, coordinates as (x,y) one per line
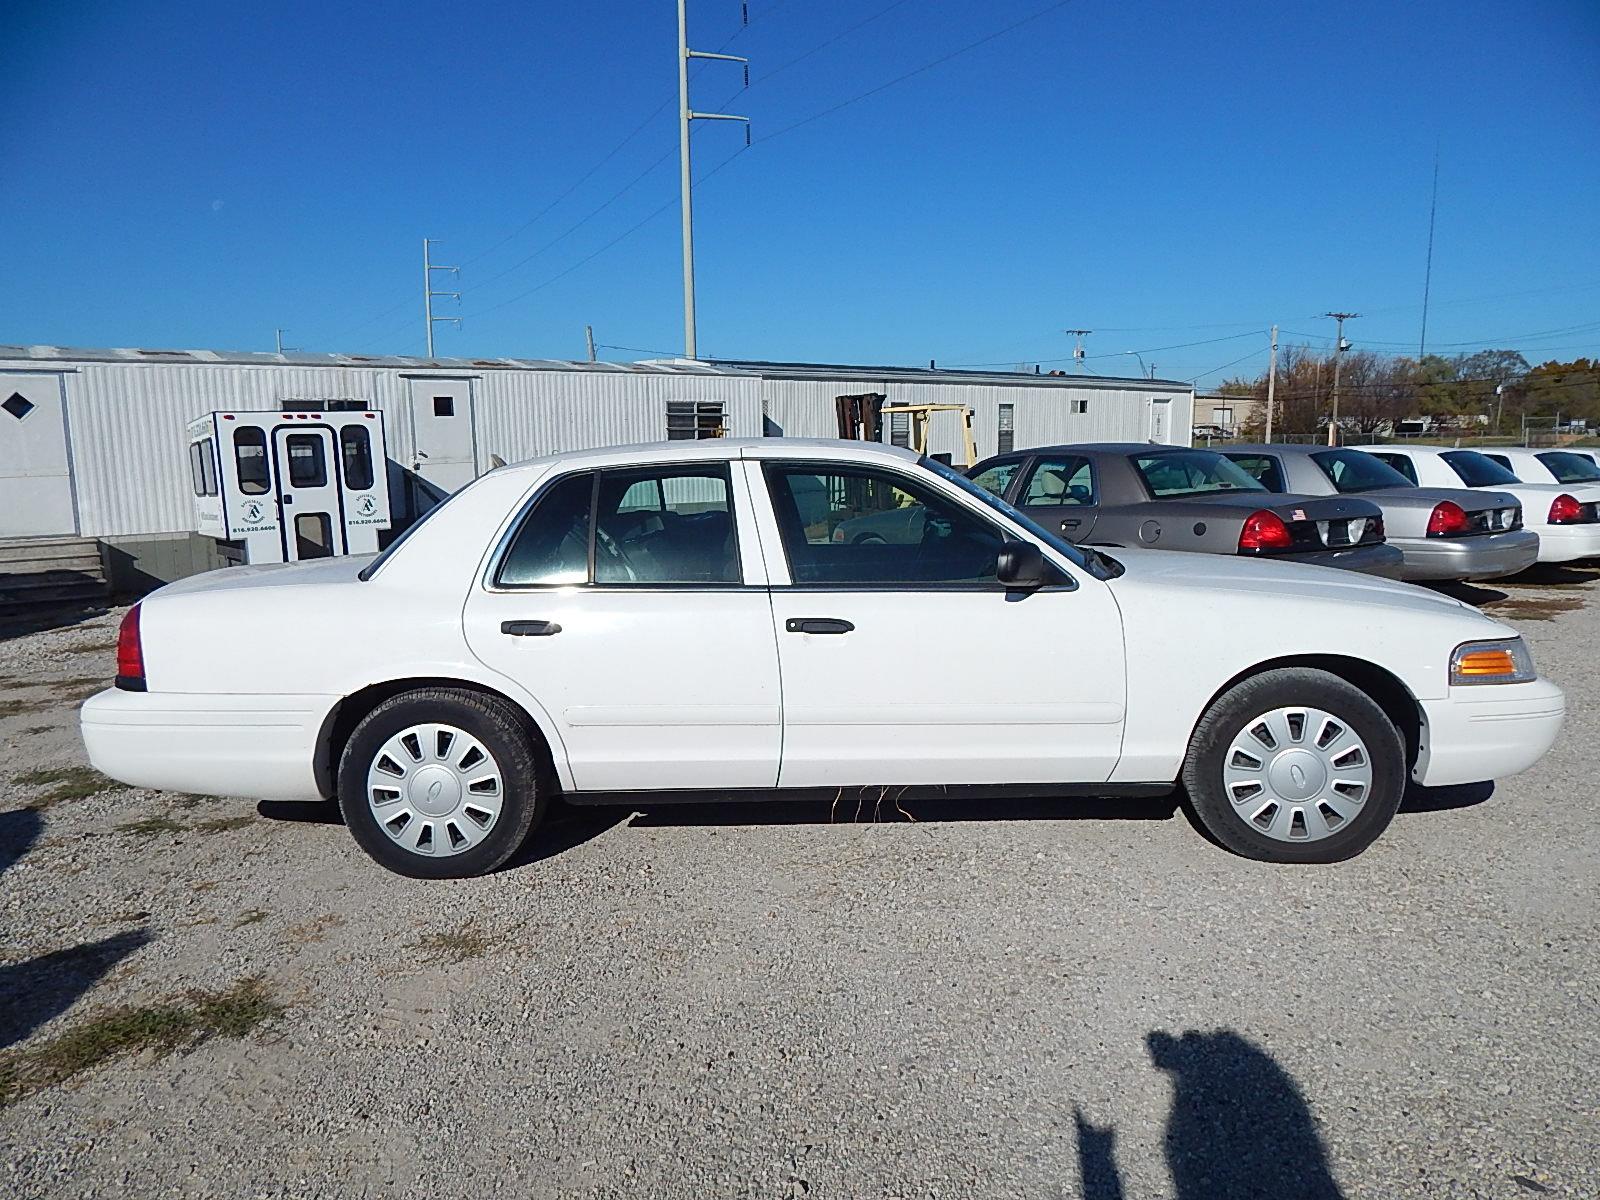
(250,460)
(1080,406)
(690,420)
(1225,417)
(444,406)
(899,429)
(355,454)
(1007,438)
(18,405)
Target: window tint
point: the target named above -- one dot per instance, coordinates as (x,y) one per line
(1476,470)
(997,478)
(1006,440)
(853,525)
(552,547)
(1500,460)
(355,454)
(307,465)
(1263,468)
(196,480)
(1568,467)
(1353,471)
(1400,463)
(1191,473)
(1059,481)
(250,460)
(665,526)
(208,467)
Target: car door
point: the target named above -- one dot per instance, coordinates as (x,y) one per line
(1058,491)
(632,604)
(909,663)
(308,492)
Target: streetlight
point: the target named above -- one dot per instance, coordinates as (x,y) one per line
(1150,372)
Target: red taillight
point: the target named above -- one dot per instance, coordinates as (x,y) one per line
(1565,510)
(1264,531)
(1448,518)
(130,654)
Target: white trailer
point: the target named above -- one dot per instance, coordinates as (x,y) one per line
(284,486)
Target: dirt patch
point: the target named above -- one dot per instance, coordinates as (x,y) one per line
(1533,608)
(156,826)
(456,945)
(314,930)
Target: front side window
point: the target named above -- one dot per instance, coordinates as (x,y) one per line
(1191,473)
(1568,467)
(1401,463)
(851,525)
(1476,470)
(250,460)
(1059,482)
(1353,471)
(308,465)
(355,457)
(997,478)
(1263,468)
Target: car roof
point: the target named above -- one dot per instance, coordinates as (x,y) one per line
(720,450)
(1100,448)
(1275,448)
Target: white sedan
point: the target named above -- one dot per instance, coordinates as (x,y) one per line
(657,622)
(1566,516)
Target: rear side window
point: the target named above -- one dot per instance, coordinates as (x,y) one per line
(1263,468)
(250,460)
(552,547)
(1353,471)
(1476,470)
(355,457)
(1400,463)
(1191,473)
(1059,482)
(997,478)
(1568,467)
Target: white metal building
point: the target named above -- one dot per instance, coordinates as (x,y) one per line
(92,442)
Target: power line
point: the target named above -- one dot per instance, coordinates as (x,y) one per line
(1224,366)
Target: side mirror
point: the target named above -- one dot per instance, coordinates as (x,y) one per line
(1020,565)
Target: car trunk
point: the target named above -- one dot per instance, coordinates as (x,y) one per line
(1489,512)
(1315,523)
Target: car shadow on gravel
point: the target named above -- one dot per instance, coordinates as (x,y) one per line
(19,830)
(884,807)
(1419,799)
(1238,1126)
(38,989)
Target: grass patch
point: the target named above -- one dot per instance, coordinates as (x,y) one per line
(181,1023)
(222,824)
(36,730)
(156,826)
(250,916)
(314,930)
(66,783)
(456,945)
(186,800)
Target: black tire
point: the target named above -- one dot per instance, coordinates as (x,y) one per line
(502,731)
(1237,708)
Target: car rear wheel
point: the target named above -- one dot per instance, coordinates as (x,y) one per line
(440,783)
(1295,765)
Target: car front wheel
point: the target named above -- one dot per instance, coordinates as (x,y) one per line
(440,783)
(1295,765)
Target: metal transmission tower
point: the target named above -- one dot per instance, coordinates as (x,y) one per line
(428,268)
(686,115)
(1077,348)
(1339,347)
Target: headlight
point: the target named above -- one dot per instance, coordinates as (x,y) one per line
(1505,661)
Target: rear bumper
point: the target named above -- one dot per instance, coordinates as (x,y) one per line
(1564,543)
(1487,556)
(1489,732)
(1377,559)
(219,745)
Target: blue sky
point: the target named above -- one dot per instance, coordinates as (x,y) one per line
(196,174)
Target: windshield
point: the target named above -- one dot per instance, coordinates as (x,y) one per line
(990,500)
(1476,470)
(1174,474)
(1568,467)
(1353,471)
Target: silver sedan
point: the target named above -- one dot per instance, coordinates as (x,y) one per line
(1444,533)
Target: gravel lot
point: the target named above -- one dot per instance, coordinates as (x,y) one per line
(1043,1000)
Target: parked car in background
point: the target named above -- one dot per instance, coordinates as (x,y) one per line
(1184,498)
(1546,466)
(649,622)
(1565,516)
(1444,533)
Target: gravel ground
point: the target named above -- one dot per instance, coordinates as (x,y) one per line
(1074,999)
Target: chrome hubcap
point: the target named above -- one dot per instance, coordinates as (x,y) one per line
(1297,774)
(435,790)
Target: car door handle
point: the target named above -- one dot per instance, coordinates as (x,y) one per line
(287,498)
(1072,523)
(529,628)
(817,625)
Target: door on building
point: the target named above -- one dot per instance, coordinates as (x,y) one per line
(308,495)
(442,432)
(35,481)
(1160,418)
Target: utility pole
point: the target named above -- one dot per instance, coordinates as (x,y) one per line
(1077,348)
(588,336)
(685,116)
(1427,274)
(1272,383)
(428,268)
(1339,347)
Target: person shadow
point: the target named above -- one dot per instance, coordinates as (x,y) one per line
(1239,1127)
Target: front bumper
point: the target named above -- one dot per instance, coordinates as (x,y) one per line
(1487,732)
(210,744)
(1486,556)
(1380,558)
(1566,543)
